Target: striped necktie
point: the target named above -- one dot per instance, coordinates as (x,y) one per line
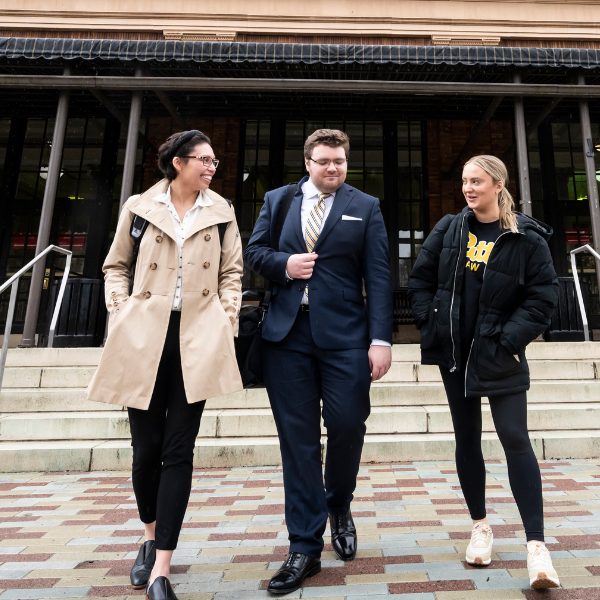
(313,226)
(315,222)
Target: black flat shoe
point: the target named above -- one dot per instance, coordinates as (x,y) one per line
(293,572)
(343,535)
(144,563)
(160,590)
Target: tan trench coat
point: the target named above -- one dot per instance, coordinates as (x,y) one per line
(138,323)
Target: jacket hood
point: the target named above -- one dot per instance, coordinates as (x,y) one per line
(524,222)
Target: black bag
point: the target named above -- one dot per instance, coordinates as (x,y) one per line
(248,344)
(137,230)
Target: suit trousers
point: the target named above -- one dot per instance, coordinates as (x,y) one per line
(298,375)
(163,439)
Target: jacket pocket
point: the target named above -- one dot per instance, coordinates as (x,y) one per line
(353,295)
(429,328)
(493,360)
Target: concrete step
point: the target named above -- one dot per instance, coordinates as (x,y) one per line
(259,422)
(540,417)
(116,454)
(50,400)
(400,372)
(69,357)
(18,400)
(53,357)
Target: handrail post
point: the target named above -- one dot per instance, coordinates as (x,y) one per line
(14,282)
(584,321)
(8,327)
(586,248)
(59,298)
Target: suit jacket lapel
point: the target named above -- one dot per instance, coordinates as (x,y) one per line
(340,203)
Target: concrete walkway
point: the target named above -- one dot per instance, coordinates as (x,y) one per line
(75,535)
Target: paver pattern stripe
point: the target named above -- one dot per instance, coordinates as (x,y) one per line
(76,535)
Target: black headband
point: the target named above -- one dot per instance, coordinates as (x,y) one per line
(180,141)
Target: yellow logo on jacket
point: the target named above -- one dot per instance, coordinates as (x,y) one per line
(477,252)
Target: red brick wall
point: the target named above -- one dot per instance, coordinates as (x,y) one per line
(224,134)
(445,140)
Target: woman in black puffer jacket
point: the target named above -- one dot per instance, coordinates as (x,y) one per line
(482,288)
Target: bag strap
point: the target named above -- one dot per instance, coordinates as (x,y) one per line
(223,227)
(292,188)
(136,231)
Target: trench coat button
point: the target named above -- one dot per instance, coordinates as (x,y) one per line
(205,292)
(235,297)
(147,295)
(153,267)
(206,265)
(113,293)
(231,319)
(159,238)
(207,237)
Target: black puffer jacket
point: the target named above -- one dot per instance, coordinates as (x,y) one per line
(518,297)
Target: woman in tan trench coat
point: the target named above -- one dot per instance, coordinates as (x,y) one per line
(170,343)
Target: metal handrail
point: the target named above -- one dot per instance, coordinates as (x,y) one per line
(586,248)
(14,282)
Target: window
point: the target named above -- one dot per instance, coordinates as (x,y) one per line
(569,161)
(410,198)
(254,186)
(4,131)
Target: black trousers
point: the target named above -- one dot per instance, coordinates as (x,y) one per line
(510,419)
(163,439)
(298,375)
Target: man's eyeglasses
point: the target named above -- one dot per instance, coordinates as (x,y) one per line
(206,160)
(325,162)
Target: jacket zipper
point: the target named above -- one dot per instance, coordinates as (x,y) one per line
(454,291)
(482,279)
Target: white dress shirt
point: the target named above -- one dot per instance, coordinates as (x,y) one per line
(309,199)
(182,229)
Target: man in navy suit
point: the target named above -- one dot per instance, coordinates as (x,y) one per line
(321,341)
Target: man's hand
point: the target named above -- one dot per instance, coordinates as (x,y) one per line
(380,361)
(300,266)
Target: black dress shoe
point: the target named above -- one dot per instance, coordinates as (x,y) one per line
(343,535)
(293,572)
(144,563)
(161,590)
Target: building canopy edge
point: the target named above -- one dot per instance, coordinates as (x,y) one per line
(274,53)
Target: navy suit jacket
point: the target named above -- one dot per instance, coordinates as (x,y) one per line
(349,251)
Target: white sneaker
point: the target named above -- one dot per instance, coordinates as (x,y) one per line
(479,550)
(541,572)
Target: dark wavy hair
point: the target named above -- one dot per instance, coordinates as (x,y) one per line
(169,150)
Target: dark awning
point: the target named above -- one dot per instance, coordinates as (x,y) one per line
(328,54)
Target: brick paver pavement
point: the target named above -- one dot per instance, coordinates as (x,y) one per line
(75,535)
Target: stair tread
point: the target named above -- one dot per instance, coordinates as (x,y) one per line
(122,443)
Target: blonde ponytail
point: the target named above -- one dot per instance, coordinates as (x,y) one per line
(496,169)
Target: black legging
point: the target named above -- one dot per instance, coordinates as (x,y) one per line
(510,418)
(163,439)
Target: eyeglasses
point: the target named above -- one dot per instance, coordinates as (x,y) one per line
(207,161)
(325,162)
